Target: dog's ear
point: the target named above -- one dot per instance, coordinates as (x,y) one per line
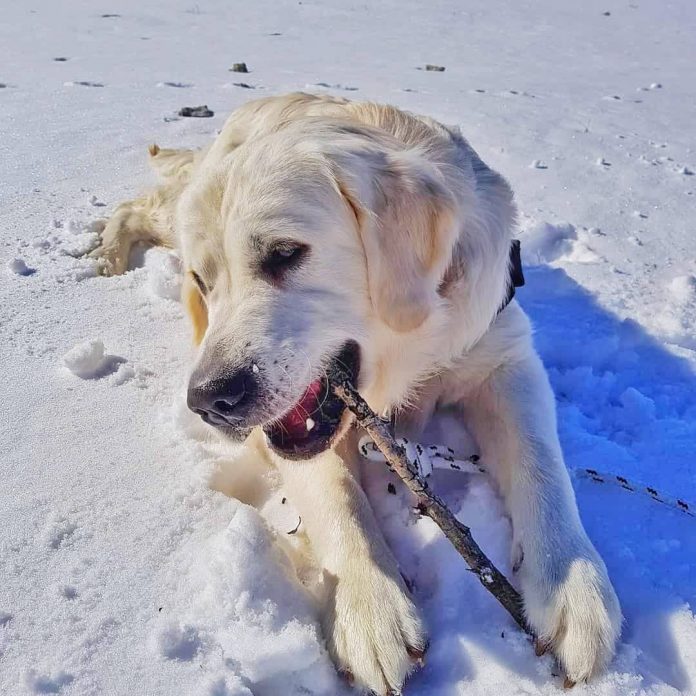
(406,217)
(195,305)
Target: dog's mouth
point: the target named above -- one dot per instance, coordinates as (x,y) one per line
(309,427)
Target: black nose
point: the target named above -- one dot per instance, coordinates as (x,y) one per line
(221,401)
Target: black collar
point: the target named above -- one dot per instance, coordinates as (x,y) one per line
(516,279)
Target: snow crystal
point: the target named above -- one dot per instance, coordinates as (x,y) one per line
(309,423)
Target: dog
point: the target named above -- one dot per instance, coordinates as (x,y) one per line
(315,232)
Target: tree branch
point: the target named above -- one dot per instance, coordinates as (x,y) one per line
(458,534)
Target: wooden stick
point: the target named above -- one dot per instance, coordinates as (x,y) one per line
(459,534)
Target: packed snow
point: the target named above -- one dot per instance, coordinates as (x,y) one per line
(138,555)
(86,359)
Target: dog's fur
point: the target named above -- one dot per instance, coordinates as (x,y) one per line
(409,233)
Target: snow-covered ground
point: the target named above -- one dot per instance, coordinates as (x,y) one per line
(137,558)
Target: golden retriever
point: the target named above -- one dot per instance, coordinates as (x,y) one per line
(316,230)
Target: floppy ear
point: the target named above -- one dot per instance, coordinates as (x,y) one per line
(198,312)
(406,216)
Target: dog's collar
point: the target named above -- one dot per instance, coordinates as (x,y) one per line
(516,279)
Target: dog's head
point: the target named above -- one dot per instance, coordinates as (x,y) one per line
(300,248)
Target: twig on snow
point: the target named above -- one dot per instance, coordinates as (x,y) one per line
(429,503)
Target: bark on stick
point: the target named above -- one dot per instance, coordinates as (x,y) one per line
(429,504)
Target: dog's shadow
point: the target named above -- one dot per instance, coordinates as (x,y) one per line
(625,405)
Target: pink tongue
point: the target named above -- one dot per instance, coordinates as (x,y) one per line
(295,423)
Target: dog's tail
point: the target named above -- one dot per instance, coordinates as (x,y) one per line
(170,164)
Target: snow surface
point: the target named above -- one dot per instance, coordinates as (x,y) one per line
(137,557)
(86,359)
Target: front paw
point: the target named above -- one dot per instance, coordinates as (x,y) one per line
(372,628)
(572,607)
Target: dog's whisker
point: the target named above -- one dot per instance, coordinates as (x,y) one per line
(309,366)
(309,362)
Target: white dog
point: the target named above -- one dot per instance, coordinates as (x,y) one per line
(317,230)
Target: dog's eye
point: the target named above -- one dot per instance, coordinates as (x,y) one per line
(282,258)
(199,283)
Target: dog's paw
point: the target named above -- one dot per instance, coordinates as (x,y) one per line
(573,609)
(115,242)
(111,260)
(373,630)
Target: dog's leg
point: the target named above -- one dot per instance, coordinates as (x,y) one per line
(147,219)
(131,222)
(569,600)
(371,626)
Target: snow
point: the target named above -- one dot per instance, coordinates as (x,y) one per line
(163,274)
(684,289)
(139,556)
(19,267)
(44,684)
(86,359)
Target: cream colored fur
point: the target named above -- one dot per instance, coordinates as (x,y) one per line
(409,235)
